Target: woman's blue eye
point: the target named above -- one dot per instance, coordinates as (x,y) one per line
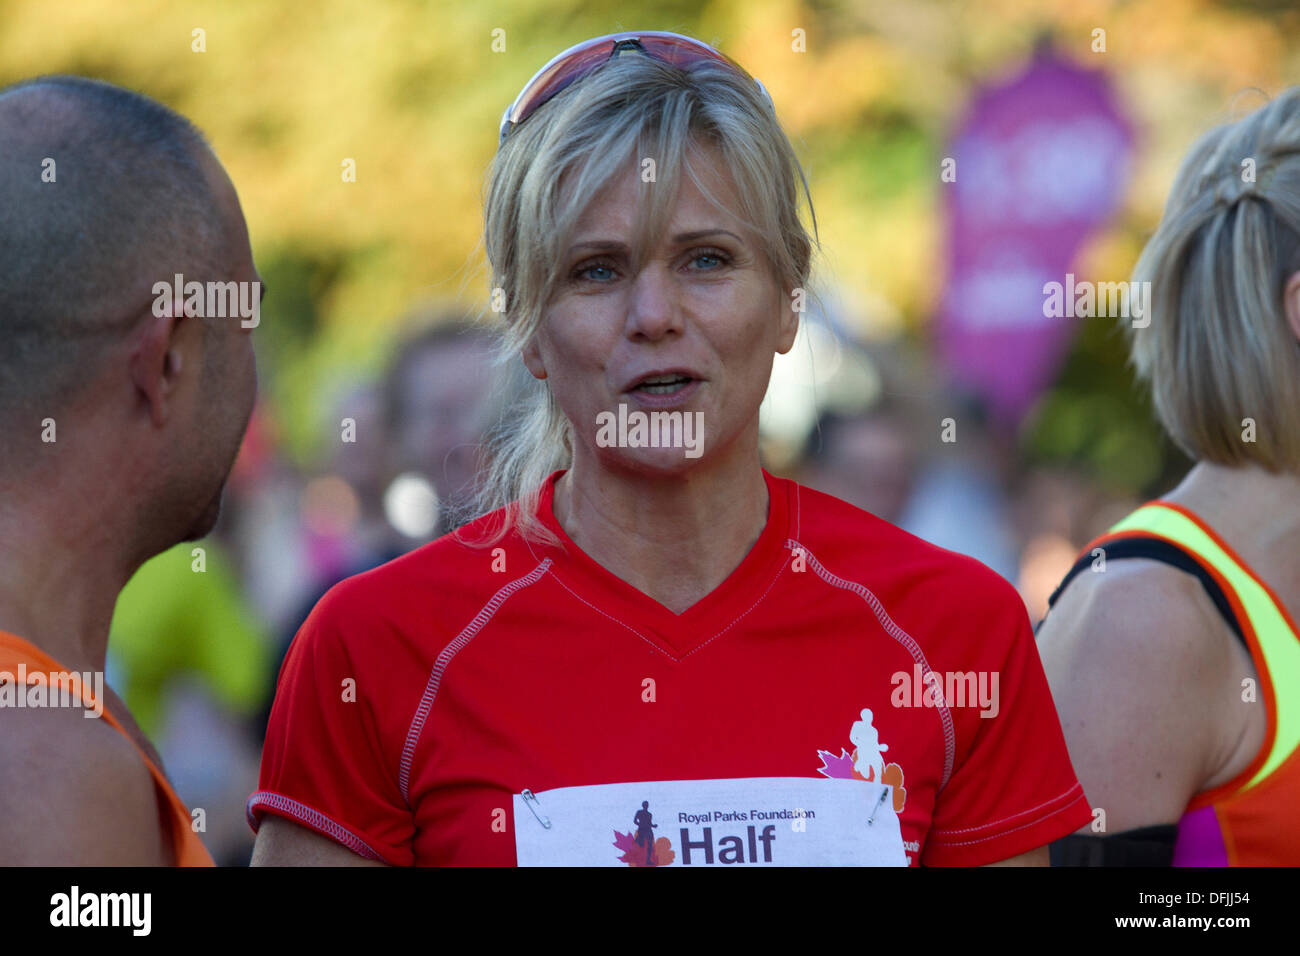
(587,272)
(582,271)
(717,256)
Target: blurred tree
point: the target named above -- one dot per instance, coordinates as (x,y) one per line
(411,91)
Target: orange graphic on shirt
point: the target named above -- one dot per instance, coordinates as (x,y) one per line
(866,762)
(891,776)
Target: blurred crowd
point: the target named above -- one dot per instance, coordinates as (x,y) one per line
(199,633)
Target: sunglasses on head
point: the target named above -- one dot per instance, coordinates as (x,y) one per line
(581,60)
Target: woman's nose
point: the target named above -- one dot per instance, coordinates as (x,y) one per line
(655,307)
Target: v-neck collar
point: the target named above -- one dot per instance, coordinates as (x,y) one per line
(676,634)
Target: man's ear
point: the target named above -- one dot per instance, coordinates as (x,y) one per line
(156,362)
(1291,304)
(532,355)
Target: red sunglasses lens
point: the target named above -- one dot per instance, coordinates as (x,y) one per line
(558,77)
(679,52)
(676,52)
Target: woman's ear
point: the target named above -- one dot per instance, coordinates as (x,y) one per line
(791,308)
(1291,304)
(532,356)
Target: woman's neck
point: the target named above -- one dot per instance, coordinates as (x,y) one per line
(1256,511)
(674,538)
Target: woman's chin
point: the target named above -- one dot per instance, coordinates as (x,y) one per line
(666,462)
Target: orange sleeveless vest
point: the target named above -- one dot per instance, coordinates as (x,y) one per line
(173,816)
(1252,819)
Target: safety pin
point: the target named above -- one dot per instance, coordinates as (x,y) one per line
(529,800)
(883,793)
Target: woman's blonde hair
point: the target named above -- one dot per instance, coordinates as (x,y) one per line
(633,109)
(1223,365)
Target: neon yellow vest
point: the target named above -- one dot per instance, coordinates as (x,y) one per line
(1253,819)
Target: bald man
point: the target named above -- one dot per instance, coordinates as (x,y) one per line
(121,410)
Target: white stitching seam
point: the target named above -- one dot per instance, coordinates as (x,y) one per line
(992,823)
(736,619)
(558,580)
(898,634)
(314,818)
(1003,833)
(702,644)
(479,621)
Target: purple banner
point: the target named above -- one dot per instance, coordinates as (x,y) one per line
(1041,162)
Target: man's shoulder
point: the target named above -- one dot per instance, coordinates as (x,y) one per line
(76,792)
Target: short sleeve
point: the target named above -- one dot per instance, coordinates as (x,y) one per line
(329,760)
(1012,788)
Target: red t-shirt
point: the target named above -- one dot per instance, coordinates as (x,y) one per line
(835,700)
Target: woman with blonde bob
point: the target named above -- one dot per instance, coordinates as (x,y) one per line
(650,651)
(1176,672)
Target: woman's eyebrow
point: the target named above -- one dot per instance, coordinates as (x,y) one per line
(614,245)
(703,233)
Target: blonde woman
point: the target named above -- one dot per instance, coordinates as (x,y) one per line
(651,651)
(1176,671)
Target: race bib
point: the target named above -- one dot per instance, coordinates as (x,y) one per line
(759,821)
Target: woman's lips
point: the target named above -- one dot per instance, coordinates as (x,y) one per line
(678,396)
